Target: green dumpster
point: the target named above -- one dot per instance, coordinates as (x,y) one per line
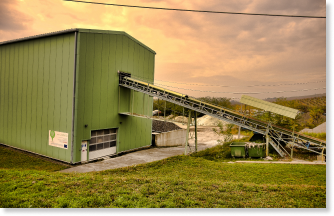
(238,149)
(256,150)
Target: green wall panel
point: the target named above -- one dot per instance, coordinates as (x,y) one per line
(2,91)
(45,94)
(100,56)
(36,93)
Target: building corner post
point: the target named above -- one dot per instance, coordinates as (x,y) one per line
(74,92)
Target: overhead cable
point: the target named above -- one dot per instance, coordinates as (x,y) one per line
(199,11)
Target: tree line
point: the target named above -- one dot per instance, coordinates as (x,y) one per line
(312,110)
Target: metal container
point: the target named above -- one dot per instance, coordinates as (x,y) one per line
(238,149)
(256,150)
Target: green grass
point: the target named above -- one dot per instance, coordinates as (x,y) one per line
(19,160)
(181,181)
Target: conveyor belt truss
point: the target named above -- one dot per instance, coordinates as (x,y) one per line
(278,136)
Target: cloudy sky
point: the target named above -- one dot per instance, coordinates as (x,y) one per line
(235,51)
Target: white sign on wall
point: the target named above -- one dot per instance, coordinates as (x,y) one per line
(58,139)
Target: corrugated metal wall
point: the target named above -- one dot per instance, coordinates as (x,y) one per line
(36,88)
(100,56)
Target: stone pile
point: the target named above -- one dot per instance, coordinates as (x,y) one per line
(162,126)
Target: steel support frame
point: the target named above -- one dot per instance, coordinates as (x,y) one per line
(277,134)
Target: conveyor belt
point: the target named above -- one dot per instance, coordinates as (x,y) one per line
(278,135)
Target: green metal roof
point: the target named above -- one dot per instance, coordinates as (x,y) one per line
(268,106)
(77,30)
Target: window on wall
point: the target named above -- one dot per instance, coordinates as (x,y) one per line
(102,139)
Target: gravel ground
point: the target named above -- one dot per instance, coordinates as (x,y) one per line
(319,129)
(162,126)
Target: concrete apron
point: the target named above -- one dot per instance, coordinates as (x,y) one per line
(134,158)
(153,154)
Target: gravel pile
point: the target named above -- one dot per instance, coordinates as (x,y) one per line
(319,129)
(209,121)
(162,126)
(181,119)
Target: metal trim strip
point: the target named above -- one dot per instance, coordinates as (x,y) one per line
(74,86)
(39,36)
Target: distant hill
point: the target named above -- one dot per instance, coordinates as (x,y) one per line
(288,98)
(298,97)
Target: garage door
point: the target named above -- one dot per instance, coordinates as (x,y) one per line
(102,143)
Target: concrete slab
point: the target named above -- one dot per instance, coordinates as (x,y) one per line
(206,139)
(133,158)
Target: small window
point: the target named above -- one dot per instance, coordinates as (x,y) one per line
(113,143)
(92,147)
(106,138)
(99,146)
(102,139)
(93,140)
(106,145)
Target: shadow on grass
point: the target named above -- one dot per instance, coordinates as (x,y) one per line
(19,160)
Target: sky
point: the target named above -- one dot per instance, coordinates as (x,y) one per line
(229,52)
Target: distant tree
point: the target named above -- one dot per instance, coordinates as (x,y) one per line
(316,116)
(172,108)
(219,101)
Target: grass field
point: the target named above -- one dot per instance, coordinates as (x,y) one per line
(202,180)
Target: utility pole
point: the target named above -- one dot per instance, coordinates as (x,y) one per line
(195,131)
(187,136)
(267,145)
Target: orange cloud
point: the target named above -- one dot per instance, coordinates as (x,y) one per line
(196,47)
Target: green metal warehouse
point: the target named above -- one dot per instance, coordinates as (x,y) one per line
(59,94)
